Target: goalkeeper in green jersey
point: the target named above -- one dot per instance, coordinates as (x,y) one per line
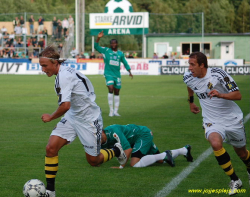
(112,60)
(137,142)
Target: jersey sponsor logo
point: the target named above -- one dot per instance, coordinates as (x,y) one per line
(210,86)
(114,63)
(235,140)
(90,147)
(208,124)
(63,120)
(202,95)
(231,86)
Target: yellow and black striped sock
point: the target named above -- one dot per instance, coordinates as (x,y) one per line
(224,161)
(51,168)
(108,154)
(247,161)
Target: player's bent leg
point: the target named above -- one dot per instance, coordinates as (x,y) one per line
(244,154)
(51,162)
(116,101)
(221,155)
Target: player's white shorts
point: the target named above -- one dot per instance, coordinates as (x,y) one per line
(89,133)
(233,134)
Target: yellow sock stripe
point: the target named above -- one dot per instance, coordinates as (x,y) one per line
(230,172)
(107,154)
(248,155)
(226,165)
(219,152)
(48,168)
(51,160)
(51,166)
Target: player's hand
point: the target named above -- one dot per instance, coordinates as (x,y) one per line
(101,34)
(214,93)
(194,109)
(46,118)
(130,74)
(115,167)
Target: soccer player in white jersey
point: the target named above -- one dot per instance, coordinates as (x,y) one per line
(82,117)
(222,117)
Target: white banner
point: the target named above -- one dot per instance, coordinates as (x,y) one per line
(118,20)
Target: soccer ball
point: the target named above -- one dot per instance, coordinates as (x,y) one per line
(118,6)
(34,188)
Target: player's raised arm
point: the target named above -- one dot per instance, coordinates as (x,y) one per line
(193,108)
(99,36)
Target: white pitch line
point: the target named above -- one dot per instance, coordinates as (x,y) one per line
(179,178)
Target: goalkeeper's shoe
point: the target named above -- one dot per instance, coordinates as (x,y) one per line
(122,158)
(188,155)
(169,159)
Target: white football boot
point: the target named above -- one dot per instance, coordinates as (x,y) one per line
(234,186)
(122,157)
(50,193)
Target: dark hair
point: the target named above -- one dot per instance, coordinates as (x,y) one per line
(200,57)
(113,40)
(52,53)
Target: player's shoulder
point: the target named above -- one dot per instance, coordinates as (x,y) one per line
(187,77)
(217,72)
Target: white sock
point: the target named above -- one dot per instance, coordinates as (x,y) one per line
(177,152)
(110,101)
(117,102)
(149,159)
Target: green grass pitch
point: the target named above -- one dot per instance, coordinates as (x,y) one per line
(159,102)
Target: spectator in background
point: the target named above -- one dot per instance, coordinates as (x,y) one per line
(12,36)
(45,32)
(40,25)
(92,55)
(16,22)
(60,46)
(41,43)
(19,42)
(74,52)
(100,56)
(71,21)
(54,27)
(21,21)
(59,31)
(134,54)
(130,55)
(155,56)
(31,23)
(4,30)
(34,41)
(165,56)
(126,54)
(65,25)
(82,55)
(24,30)
(18,29)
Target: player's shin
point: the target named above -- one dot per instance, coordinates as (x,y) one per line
(51,168)
(117,103)
(247,161)
(110,101)
(107,154)
(224,161)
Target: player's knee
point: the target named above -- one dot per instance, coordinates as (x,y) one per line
(51,151)
(242,154)
(216,145)
(93,161)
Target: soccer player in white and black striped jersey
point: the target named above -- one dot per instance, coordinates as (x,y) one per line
(222,117)
(82,117)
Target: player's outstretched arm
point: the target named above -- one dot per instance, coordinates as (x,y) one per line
(193,108)
(130,74)
(235,95)
(61,110)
